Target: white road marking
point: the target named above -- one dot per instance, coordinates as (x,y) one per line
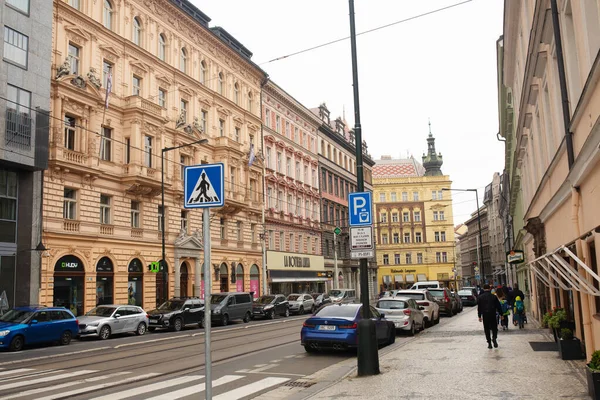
(300,356)
(275,361)
(260,365)
(277,373)
(31,375)
(264,367)
(45,379)
(16,371)
(54,356)
(149,341)
(97,387)
(292,356)
(252,388)
(188,391)
(150,388)
(242,371)
(63,385)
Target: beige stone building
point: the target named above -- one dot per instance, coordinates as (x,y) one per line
(553,72)
(175,80)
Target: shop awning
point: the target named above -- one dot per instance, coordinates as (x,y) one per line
(421,277)
(555,272)
(276,280)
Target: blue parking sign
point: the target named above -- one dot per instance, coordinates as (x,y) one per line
(360,208)
(203,186)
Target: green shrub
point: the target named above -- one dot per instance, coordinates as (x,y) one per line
(595,362)
(566,334)
(545,319)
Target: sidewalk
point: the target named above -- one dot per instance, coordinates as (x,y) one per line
(452,361)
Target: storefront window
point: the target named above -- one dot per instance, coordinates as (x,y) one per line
(69,274)
(239,277)
(255,281)
(104,281)
(135,283)
(223,274)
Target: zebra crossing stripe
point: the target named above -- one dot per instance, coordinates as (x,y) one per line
(188,391)
(150,388)
(44,379)
(252,388)
(15,371)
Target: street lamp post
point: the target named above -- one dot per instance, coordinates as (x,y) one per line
(165,271)
(478,224)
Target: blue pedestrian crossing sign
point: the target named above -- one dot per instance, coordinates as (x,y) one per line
(203,186)
(360,207)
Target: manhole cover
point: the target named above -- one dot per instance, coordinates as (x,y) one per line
(299,384)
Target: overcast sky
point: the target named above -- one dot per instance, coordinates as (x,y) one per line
(440,66)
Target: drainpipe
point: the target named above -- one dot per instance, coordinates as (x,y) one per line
(564,95)
(585,298)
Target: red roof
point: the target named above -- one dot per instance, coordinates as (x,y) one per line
(397,168)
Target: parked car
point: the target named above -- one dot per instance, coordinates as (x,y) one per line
(404,312)
(445,300)
(343,295)
(423,297)
(458,306)
(321,299)
(176,313)
(467,297)
(301,303)
(22,326)
(427,285)
(268,306)
(335,327)
(227,307)
(106,320)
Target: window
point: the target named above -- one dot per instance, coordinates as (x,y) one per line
(324,181)
(136,86)
(442,218)
(418,237)
(440,196)
(70,204)
(236,134)
(405,217)
(15,47)
(298,206)
(296,130)
(183,60)
(433,195)
(396,238)
(268,157)
(106,69)
(288,168)
(8,206)
(148,151)
(104,209)
(137,31)
(221,127)
(397,259)
(280,200)
(268,118)
(18,117)
(203,72)
(253,233)
(408,258)
(386,259)
(436,216)
(415,196)
(221,84)
(236,93)
(271,236)
(222,228)
(183,106)
(74,58)
(330,183)
(383,217)
(394,198)
(204,120)
(127,150)
(162,47)
(419,258)
(382,197)
(436,236)
(239,231)
(297,170)
(417,216)
(279,166)
(292,242)
(107,14)
(394,217)
(438,257)
(404,196)
(336,186)
(70,124)
(232,174)
(184,221)
(250,101)
(314,177)
(443,236)
(444,257)
(183,161)
(106,144)
(384,238)
(135,214)
(278,124)
(407,237)
(287,128)
(21,5)
(162,98)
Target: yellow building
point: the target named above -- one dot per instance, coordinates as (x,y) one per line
(414,229)
(175,81)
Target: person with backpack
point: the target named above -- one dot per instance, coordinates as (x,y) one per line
(519,311)
(505,313)
(513,296)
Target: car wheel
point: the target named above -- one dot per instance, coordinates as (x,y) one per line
(286,313)
(412,329)
(152,329)
(392,338)
(201,323)
(437,320)
(177,324)
(141,329)
(17,343)
(301,310)
(309,349)
(104,332)
(225,319)
(65,338)
(247,317)
(271,315)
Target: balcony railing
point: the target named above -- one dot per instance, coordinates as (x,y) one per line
(137,233)
(107,230)
(75,157)
(71,225)
(18,129)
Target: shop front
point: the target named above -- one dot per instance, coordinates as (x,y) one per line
(255,280)
(399,278)
(135,282)
(296,273)
(68,286)
(104,281)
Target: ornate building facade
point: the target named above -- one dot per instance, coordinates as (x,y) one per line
(174,81)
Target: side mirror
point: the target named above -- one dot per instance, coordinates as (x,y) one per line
(186,309)
(117,315)
(33,322)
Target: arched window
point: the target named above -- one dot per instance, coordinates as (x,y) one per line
(107,14)
(183,60)
(220,83)
(236,93)
(203,72)
(250,101)
(162,47)
(137,31)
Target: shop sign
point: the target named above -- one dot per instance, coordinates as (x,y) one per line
(400,271)
(69,263)
(277,260)
(326,274)
(515,257)
(104,265)
(295,261)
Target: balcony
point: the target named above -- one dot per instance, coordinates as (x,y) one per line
(138,103)
(70,225)
(74,157)
(141,180)
(107,230)
(137,233)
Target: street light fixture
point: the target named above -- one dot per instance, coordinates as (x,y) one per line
(478,224)
(163,261)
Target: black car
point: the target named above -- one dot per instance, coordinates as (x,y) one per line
(268,306)
(321,299)
(176,313)
(467,297)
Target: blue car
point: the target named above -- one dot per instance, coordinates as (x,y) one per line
(32,325)
(335,326)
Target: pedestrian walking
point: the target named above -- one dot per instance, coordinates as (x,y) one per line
(487,307)
(519,311)
(516,292)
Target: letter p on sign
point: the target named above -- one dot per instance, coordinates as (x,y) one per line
(360,208)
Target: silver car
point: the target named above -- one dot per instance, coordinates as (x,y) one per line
(301,303)
(404,312)
(106,320)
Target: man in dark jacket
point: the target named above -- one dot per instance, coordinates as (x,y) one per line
(487,306)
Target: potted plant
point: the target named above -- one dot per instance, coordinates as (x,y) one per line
(569,347)
(593,375)
(554,322)
(546,318)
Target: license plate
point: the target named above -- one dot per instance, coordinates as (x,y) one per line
(256,312)
(327,327)
(153,320)
(398,324)
(463,298)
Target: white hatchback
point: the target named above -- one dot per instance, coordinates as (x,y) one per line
(431,308)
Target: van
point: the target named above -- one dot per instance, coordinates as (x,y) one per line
(343,295)
(227,307)
(427,285)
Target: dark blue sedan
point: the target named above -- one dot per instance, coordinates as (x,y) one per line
(335,327)
(33,325)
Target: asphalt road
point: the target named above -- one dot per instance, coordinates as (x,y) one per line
(248,359)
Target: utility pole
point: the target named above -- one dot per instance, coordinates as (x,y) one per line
(336,282)
(367,356)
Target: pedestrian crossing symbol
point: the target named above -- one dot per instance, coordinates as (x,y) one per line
(203,186)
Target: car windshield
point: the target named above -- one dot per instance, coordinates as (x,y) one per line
(392,304)
(100,312)
(171,305)
(415,296)
(293,297)
(465,293)
(16,316)
(437,293)
(217,299)
(335,293)
(337,311)
(265,299)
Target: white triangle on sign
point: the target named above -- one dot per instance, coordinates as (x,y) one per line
(204,191)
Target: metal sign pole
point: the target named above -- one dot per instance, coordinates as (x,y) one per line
(336,282)
(207,309)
